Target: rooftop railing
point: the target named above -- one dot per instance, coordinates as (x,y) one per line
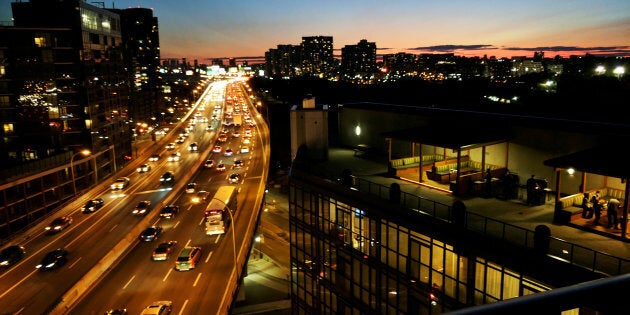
(563,250)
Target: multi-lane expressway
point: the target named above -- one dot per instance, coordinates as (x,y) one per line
(109,267)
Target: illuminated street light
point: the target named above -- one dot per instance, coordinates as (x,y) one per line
(74,185)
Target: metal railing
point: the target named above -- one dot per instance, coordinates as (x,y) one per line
(571,253)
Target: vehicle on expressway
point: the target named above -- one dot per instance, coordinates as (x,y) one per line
(244,150)
(12,254)
(238,163)
(188,258)
(193,147)
(217,149)
(151,233)
(201,196)
(154,158)
(208,164)
(220,167)
(174,157)
(228,152)
(224,200)
(246,141)
(169,211)
(234,178)
(214,227)
(180,140)
(222,138)
(163,251)
(53,259)
(143,168)
(59,224)
(142,208)
(93,205)
(191,187)
(158,308)
(167,178)
(120,183)
(170,146)
(117,311)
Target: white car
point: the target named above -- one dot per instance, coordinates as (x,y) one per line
(143,168)
(244,150)
(174,157)
(158,308)
(120,183)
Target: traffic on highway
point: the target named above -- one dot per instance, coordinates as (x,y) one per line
(143,236)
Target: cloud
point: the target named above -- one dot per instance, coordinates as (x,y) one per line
(572,48)
(451,48)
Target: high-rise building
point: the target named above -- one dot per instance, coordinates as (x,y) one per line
(284,61)
(358,62)
(64,89)
(317,56)
(140,36)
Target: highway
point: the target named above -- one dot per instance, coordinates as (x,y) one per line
(108,267)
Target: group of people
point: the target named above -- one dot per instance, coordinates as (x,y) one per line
(592,206)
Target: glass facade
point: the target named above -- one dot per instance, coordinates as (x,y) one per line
(351,257)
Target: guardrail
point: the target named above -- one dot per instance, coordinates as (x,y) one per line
(571,253)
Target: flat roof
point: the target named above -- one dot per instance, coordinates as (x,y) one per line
(606,160)
(456,136)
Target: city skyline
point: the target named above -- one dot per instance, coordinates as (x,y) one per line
(205,30)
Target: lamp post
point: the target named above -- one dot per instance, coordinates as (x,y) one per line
(74,184)
(233,237)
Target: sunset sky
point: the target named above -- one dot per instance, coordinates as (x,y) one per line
(206,29)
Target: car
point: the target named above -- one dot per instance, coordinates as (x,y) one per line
(201,196)
(12,254)
(53,259)
(217,149)
(151,233)
(180,140)
(170,146)
(117,311)
(208,164)
(228,152)
(142,208)
(244,150)
(238,163)
(246,141)
(158,308)
(234,178)
(120,183)
(167,178)
(174,157)
(93,205)
(236,134)
(191,188)
(143,168)
(222,138)
(169,211)
(184,134)
(59,224)
(193,147)
(163,251)
(188,258)
(154,158)
(220,167)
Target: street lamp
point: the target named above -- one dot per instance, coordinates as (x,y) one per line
(233,237)
(74,185)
